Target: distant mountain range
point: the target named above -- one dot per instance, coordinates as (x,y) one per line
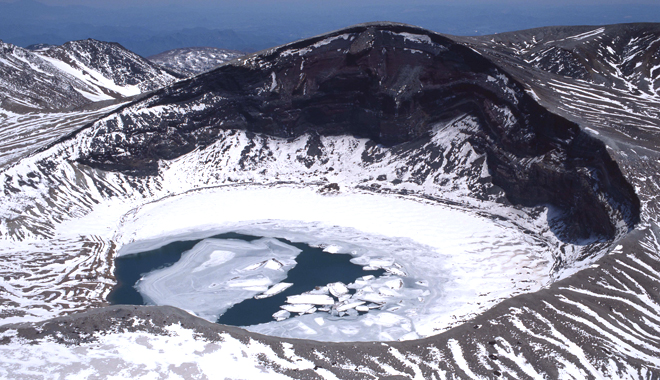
(191,61)
(47,91)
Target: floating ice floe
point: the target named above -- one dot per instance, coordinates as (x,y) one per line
(350,305)
(216,258)
(314,299)
(395,284)
(273,290)
(281,315)
(344,297)
(386,263)
(302,308)
(337,289)
(267,264)
(218,273)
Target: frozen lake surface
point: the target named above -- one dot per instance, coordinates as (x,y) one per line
(130,268)
(205,276)
(442,264)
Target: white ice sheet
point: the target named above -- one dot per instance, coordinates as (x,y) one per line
(444,264)
(218,273)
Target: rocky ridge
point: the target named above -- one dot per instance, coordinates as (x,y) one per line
(74,74)
(624,56)
(608,74)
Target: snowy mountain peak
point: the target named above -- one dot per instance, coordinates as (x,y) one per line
(74,74)
(114,62)
(433,158)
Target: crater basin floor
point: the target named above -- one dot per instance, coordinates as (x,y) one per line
(467,262)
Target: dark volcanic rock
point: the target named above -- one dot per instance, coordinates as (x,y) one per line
(390,83)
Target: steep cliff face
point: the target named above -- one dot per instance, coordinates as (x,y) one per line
(390,83)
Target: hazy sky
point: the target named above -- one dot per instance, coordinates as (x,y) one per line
(146,26)
(124,3)
(238,4)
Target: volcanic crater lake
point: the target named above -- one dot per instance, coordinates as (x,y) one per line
(218,278)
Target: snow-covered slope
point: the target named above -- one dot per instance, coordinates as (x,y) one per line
(27,81)
(594,75)
(194,60)
(624,57)
(74,74)
(122,71)
(24,133)
(389,142)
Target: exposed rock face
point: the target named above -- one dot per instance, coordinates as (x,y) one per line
(23,87)
(390,83)
(609,75)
